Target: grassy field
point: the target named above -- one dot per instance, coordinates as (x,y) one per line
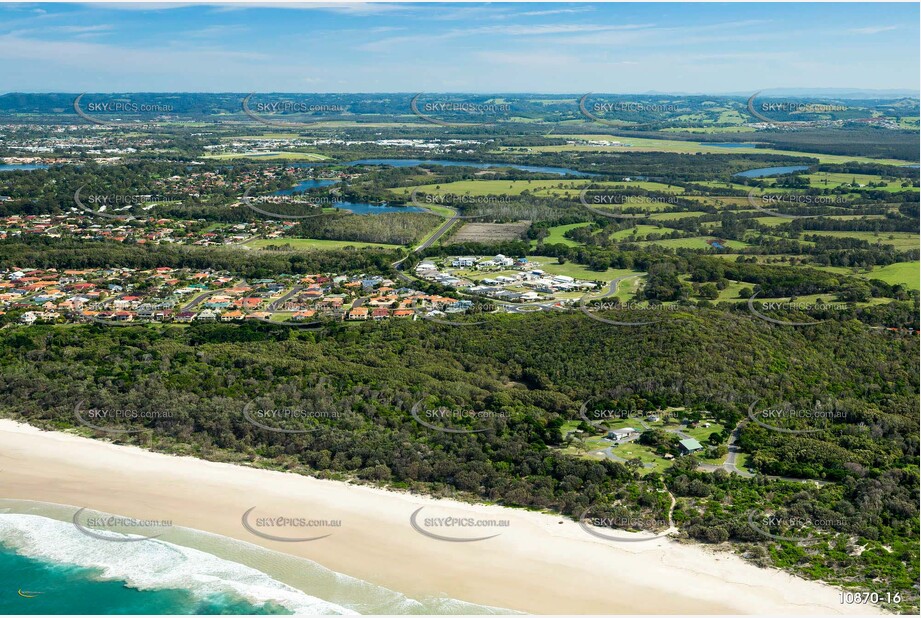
(640,144)
(311,243)
(628,288)
(696,242)
(828,180)
(555,235)
(634,450)
(641,232)
(579,271)
(477,188)
(902,241)
(772,221)
(444,211)
(906,273)
(544,188)
(672,216)
(731,291)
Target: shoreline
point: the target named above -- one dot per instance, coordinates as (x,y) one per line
(537,563)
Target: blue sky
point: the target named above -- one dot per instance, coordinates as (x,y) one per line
(393,47)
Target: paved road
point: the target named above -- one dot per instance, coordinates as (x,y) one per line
(439,232)
(734,450)
(281,301)
(398,266)
(198,300)
(612,286)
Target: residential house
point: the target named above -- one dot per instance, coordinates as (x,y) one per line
(689,445)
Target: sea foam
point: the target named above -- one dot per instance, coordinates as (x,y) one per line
(153,564)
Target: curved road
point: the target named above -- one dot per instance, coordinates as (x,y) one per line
(428,242)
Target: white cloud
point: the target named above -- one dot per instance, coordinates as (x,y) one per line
(872,29)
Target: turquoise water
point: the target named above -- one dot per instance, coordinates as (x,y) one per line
(182,571)
(762,172)
(65,589)
(20,166)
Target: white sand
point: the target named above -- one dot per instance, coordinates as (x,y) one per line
(538,564)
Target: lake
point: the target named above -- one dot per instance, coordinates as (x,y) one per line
(304,185)
(359,208)
(763,172)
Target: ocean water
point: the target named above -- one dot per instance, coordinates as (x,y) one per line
(47,566)
(33,586)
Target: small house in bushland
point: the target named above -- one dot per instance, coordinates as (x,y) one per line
(625,433)
(689,446)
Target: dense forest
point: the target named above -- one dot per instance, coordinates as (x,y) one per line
(532,373)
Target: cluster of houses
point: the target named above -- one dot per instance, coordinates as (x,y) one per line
(264,146)
(182,295)
(147,226)
(56,144)
(520,282)
(148,230)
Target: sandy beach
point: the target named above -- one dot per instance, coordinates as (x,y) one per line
(537,564)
